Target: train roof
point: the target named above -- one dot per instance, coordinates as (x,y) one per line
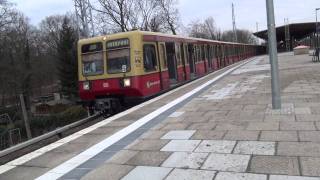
(157,34)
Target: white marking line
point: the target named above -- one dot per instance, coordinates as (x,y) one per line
(23,159)
(176,114)
(72,163)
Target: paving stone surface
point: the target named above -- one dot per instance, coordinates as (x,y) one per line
(190,174)
(147,173)
(239,176)
(181,145)
(213,135)
(313,136)
(186,160)
(202,126)
(242,135)
(291,126)
(231,126)
(148,158)
(274,165)
(227,162)
(148,145)
(214,146)
(255,147)
(298,149)
(122,157)
(259,126)
(109,171)
(279,136)
(283,177)
(310,166)
(153,134)
(178,134)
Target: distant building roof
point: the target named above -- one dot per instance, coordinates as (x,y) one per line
(297,30)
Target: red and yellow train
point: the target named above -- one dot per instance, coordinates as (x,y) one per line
(132,66)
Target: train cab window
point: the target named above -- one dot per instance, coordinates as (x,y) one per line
(118,55)
(92,59)
(149,57)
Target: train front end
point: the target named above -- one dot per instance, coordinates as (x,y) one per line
(106,72)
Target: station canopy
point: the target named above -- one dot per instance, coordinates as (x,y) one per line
(297,31)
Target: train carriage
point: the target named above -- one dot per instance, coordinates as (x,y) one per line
(132,66)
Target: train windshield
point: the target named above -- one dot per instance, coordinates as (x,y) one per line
(118,56)
(92,59)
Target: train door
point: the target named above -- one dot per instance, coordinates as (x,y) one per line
(214,59)
(223,59)
(164,65)
(172,63)
(187,68)
(210,57)
(191,59)
(183,59)
(219,55)
(205,58)
(227,51)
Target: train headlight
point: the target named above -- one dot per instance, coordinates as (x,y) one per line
(86,85)
(126,82)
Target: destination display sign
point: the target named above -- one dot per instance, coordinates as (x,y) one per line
(118,43)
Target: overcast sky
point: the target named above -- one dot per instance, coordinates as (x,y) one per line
(248,12)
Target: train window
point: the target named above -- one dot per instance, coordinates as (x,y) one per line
(163,56)
(118,55)
(198,54)
(195,53)
(95,47)
(92,59)
(226,50)
(186,54)
(203,53)
(149,57)
(178,54)
(116,59)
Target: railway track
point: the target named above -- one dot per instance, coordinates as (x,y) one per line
(45,139)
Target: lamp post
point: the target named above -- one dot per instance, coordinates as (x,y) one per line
(273,54)
(317,29)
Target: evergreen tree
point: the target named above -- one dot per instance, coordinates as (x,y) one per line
(67,59)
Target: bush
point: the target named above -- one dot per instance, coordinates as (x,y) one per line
(42,124)
(72,114)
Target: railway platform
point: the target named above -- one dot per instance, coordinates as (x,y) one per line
(219,127)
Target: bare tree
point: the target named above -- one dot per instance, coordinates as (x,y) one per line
(50,28)
(206,29)
(244,36)
(148,10)
(211,27)
(171,14)
(118,13)
(157,23)
(198,30)
(84,18)
(6,13)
